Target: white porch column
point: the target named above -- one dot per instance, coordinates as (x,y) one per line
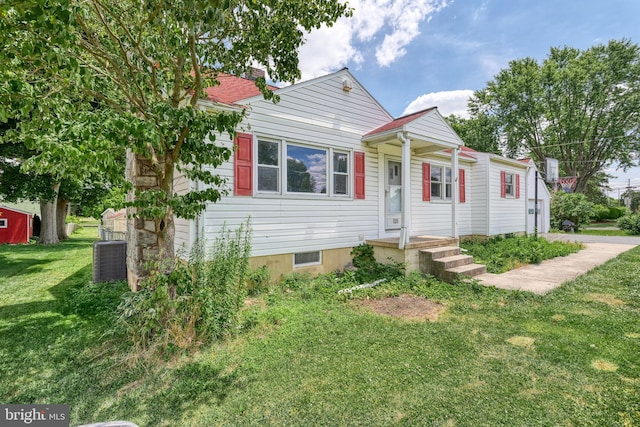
(455,185)
(405,218)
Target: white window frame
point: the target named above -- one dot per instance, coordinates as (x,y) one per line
(4,223)
(277,167)
(510,188)
(282,170)
(443,183)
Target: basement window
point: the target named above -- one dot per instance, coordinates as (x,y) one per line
(3,223)
(302,259)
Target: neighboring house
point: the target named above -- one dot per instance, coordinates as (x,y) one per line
(328,168)
(16,226)
(113,225)
(543,220)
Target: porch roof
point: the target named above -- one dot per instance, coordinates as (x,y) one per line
(427,130)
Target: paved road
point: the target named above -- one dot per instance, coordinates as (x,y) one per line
(584,238)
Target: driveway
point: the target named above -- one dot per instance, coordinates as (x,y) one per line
(548,275)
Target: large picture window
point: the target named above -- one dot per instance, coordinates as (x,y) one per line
(306,170)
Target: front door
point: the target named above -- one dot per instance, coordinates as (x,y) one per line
(393,195)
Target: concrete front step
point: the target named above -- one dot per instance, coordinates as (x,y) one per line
(441,252)
(469,270)
(450,262)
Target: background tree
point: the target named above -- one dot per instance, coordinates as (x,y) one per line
(581,107)
(147,64)
(480,132)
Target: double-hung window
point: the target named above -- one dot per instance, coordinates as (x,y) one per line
(268,166)
(509,185)
(440,182)
(292,168)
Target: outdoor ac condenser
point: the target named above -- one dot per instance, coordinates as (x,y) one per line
(109,261)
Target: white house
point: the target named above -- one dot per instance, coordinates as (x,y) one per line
(328,168)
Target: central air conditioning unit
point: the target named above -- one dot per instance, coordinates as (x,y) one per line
(109,261)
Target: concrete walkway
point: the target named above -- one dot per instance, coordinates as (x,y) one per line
(548,275)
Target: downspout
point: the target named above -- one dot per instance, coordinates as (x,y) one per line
(526,202)
(405,226)
(454,192)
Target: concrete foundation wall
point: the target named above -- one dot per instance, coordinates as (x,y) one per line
(282,264)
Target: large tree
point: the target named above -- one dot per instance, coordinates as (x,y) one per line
(147,64)
(581,107)
(480,132)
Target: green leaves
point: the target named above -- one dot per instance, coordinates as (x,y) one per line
(580,107)
(574,207)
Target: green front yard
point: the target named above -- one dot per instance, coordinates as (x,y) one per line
(306,356)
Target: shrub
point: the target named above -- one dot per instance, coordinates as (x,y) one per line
(368,269)
(258,280)
(630,223)
(616,212)
(574,207)
(185,304)
(601,212)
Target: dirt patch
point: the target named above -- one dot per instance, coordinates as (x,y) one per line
(519,341)
(604,365)
(255,302)
(406,307)
(608,299)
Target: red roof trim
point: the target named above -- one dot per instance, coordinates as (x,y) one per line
(400,121)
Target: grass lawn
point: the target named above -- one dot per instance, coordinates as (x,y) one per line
(305,356)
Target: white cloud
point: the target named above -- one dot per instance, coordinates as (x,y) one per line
(493,64)
(327,50)
(448,102)
(383,26)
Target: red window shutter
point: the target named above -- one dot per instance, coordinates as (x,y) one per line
(463,186)
(517,186)
(358,175)
(243,165)
(426,182)
(503,184)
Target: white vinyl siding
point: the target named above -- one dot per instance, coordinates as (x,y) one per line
(507,215)
(182,240)
(319,116)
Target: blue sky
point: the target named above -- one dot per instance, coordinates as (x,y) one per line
(414,54)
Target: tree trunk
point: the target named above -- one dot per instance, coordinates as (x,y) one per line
(62,209)
(149,240)
(48,228)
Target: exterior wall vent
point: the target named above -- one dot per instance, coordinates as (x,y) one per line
(347,85)
(109,261)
